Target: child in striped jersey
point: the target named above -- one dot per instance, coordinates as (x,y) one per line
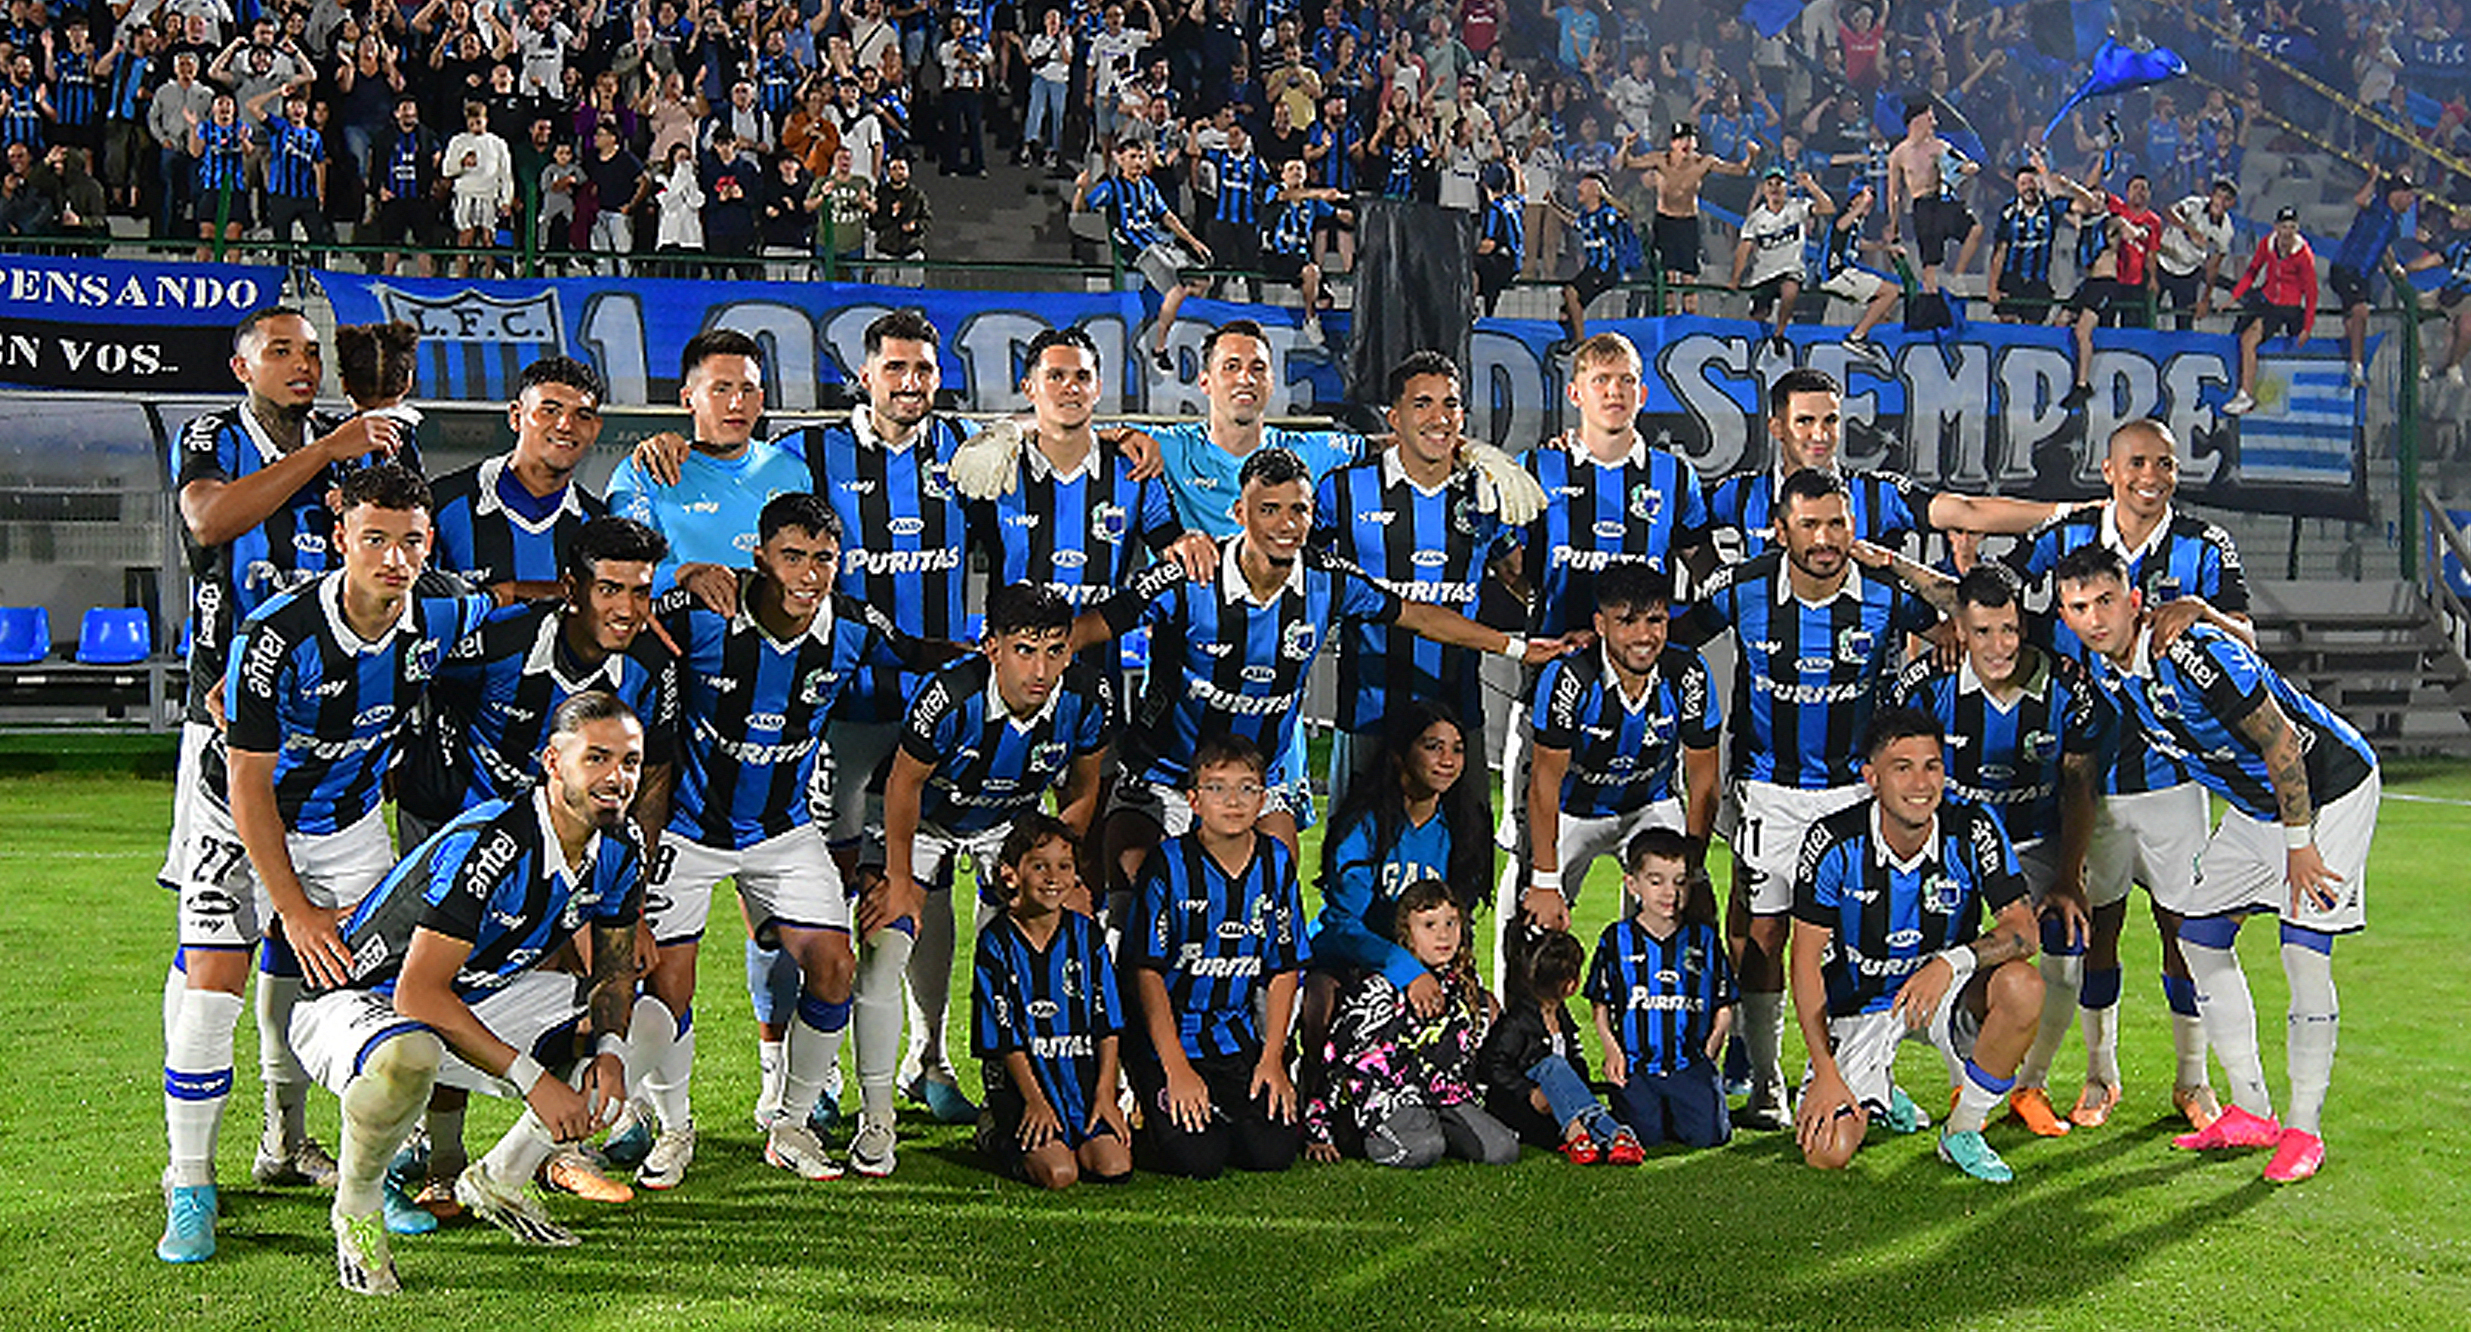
(1663,996)
(1402,1085)
(1534,1071)
(1045,1017)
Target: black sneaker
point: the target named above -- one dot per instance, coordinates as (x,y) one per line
(1164,360)
(2077,397)
(1780,344)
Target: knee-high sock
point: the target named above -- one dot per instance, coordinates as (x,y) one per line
(2187,1030)
(883,964)
(520,1154)
(1763,1034)
(380,1106)
(197,1081)
(2229,1012)
(2062,975)
(286,1082)
(447,1154)
(2316,1023)
(175,985)
(930,985)
(664,1047)
(1977,1094)
(2098,1007)
(815,1046)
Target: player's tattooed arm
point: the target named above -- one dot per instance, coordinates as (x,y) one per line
(1927,583)
(612,1002)
(2011,937)
(2286,764)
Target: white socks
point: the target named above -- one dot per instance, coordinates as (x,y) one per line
(2062,975)
(197,1080)
(884,962)
(930,984)
(2315,1023)
(2229,1014)
(664,1043)
(286,1082)
(1763,1033)
(379,1108)
(521,1153)
(814,1047)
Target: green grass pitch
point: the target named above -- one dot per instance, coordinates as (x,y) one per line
(2103,1229)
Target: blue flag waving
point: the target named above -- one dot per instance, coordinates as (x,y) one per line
(2117,69)
(1771,17)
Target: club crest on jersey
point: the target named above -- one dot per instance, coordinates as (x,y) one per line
(1296,642)
(2162,586)
(422,662)
(818,686)
(1108,524)
(1943,894)
(934,483)
(1854,645)
(1072,978)
(2163,699)
(1646,502)
(2038,746)
(1463,515)
(1048,755)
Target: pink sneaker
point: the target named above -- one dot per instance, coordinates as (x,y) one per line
(2234,1128)
(2296,1157)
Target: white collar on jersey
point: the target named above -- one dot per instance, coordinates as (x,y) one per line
(2112,538)
(1393,472)
(1881,856)
(267,448)
(330,597)
(553,852)
(1042,467)
(485,499)
(1232,583)
(862,424)
(1613,683)
(819,628)
(1637,457)
(543,658)
(2141,658)
(1851,587)
(997,707)
(2037,677)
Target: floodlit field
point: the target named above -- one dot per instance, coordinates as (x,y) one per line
(2103,1229)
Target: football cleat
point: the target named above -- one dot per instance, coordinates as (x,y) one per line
(2232,1130)
(942,1096)
(1765,1113)
(2197,1104)
(664,1167)
(796,1149)
(1903,1115)
(871,1149)
(437,1198)
(188,1224)
(1624,1149)
(2297,1155)
(2094,1105)
(1970,1152)
(403,1216)
(1581,1149)
(364,1261)
(572,1170)
(2033,1106)
(510,1209)
(305,1163)
(630,1139)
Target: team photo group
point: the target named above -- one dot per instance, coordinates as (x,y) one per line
(1049,676)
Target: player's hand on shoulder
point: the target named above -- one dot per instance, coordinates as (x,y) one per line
(361,437)
(2173,618)
(1196,554)
(1139,448)
(713,587)
(1872,555)
(1425,995)
(660,456)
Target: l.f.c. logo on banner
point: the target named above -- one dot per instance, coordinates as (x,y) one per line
(473,344)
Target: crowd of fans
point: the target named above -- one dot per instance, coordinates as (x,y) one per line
(684,131)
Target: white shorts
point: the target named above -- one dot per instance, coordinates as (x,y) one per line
(1172,811)
(788,879)
(1774,820)
(855,750)
(1865,1046)
(2244,867)
(223,902)
(475,212)
(2039,860)
(2149,837)
(335,1032)
(1579,840)
(1856,285)
(935,857)
(1162,265)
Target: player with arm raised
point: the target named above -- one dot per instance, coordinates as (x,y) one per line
(1888,898)
(2302,790)
(447,985)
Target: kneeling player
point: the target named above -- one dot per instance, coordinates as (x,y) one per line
(447,985)
(1216,924)
(1045,1016)
(1887,901)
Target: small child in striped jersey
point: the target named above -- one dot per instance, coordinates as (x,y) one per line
(1663,995)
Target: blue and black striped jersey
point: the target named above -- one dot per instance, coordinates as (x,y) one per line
(1600,246)
(1336,168)
(1505,224)
(1645,507)
(1135,211)
(75,98)
(132,74)
(292,156)
(1217,938)
(1290,229)
(1840,246)
(1422,545)
(221,166)
(2093,236)
(1053,1004)
(492,530)
(290,548)
(1083,533)
(1625,753)
(1809,675)
(495,878)
(2007,757)
(987,766)
(495,697)
(1360,893)
(21,115)
(903,535)
(752,709)
(304,686)
(1242,180)
(1663,994)
(2191,699)
(1887,508)
(2031,233)
(1889,916)
(1220,660)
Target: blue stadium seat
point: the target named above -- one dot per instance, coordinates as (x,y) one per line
(115,636)
(188,635)
(1133,650)
(25,635)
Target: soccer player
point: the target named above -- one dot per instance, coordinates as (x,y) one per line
(1767,262)
(285,823)
(985,739)
(1046,1018)
(1817,641)
(2021,731)
(755,689)
(1215,940)
(1140,220)
(1625,740)
(447,984)
(509,519)
(1202,458)
(1416,519)
(1924,174)
(252,482)
(1888,896)
(2152,817)
(2022,243)
(703,495)
(2302,790)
